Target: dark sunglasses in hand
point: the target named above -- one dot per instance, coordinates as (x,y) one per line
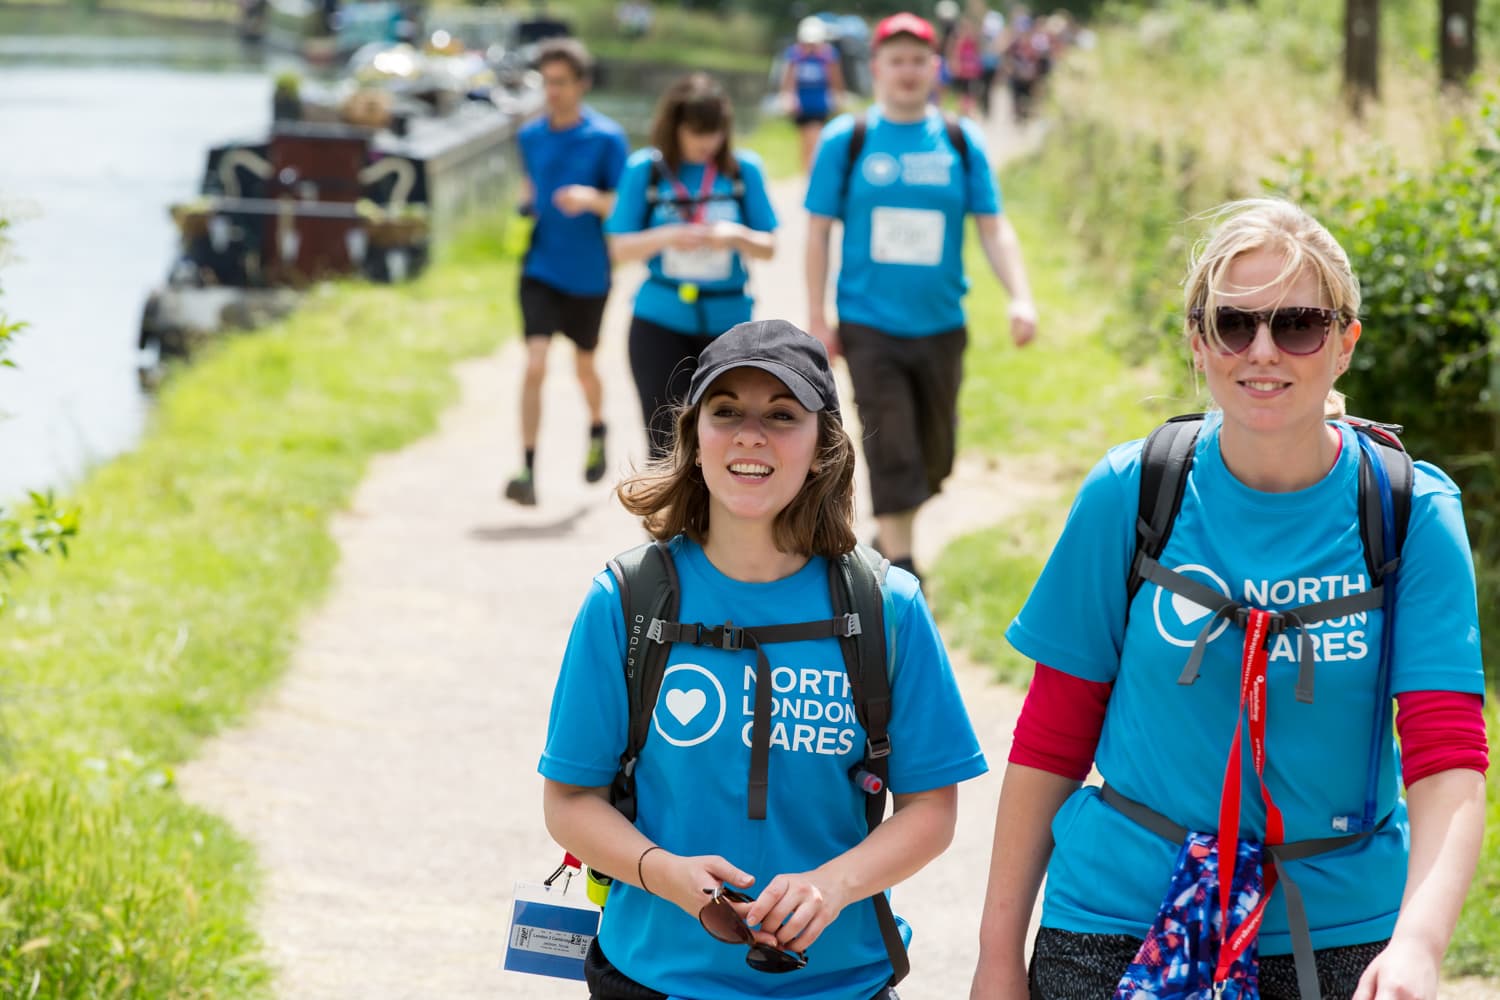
(1294,329)
(724,922)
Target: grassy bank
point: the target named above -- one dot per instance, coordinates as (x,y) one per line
(178,607)
(1053,408)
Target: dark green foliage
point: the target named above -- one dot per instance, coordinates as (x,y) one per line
(1424,246)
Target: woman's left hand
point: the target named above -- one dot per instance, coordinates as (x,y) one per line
(1403,971)
(796,908)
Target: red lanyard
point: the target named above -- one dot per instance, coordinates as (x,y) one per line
(699,204)
(1253,701)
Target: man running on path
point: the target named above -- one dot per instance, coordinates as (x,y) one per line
(571,160)
(902,282)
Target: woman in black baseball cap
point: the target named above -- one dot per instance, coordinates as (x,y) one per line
(741,799)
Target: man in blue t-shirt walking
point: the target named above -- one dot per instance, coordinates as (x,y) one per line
(571,159)
(902,178)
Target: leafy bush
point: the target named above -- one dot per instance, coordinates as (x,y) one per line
(1424,247)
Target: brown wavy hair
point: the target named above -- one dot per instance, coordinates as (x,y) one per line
(671,498)
(700,102)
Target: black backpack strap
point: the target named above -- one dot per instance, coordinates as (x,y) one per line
(857,585)
(1398,470)
(649,592)
(1165,460)
(959,141)
(653,195)
(851,157)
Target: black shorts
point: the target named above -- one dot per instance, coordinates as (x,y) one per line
(1069,966)
(546,310)
(906,390)
(606,982)
(809,118)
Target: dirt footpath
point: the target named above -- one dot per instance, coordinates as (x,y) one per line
(389,782)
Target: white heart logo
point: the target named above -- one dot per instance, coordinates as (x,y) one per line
(1188,611)
(685,705)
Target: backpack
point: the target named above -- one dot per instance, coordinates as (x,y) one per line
(1384,503)
(657,174)
(956,138)
(864,624)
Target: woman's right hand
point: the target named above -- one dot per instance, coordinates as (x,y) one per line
(688,882)
(996,979)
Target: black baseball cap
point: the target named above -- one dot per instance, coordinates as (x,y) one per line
(795,357)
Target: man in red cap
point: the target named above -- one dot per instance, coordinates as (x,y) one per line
(902,177)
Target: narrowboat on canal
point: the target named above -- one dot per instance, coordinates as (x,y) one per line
(361,187)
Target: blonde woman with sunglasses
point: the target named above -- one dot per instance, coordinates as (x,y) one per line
(1235,717)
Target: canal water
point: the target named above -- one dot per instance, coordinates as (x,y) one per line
(99,135)
(103,125)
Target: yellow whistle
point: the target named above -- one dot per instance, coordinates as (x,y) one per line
(598,886)
(687,292)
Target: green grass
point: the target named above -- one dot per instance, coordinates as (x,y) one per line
(1475,949)
(692,39)
(178,607)
(774,138)
(1055,406)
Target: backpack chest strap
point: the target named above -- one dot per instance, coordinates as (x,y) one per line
(731,637)
(1223,607)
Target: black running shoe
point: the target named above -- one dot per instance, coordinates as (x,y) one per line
(593,471)
(522,489)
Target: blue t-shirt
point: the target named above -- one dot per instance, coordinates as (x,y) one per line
(903,267)
(568,252)
(811,74)
(718,275)
(700,742)
(1165,744)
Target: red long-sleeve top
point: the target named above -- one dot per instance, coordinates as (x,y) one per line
(1063,715)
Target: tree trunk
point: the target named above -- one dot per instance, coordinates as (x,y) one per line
(1456,36)
(1361,52)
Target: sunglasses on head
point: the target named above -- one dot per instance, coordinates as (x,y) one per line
(1294,329)
(724,922)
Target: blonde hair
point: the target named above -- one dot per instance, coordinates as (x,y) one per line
(1269,224)
(670,496)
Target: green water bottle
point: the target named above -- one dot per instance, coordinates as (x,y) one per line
(598,885)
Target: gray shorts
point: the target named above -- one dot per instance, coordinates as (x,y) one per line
(906,390)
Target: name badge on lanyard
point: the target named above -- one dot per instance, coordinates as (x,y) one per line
(550,932)
(907,236)
(697,265)
(694,267)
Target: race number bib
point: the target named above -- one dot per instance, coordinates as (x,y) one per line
(907,236)
(697,265)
